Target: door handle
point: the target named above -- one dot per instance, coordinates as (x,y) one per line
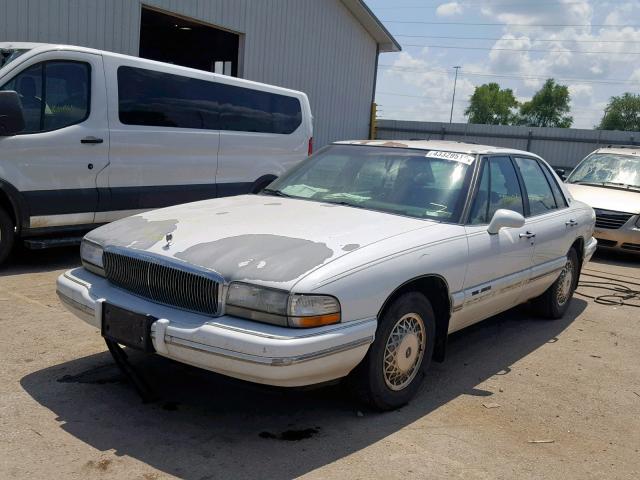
(571,223)
(527,235)
(91,140)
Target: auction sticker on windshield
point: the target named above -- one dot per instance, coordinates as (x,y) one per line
(456,157)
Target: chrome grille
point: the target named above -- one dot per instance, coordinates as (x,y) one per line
(162,283)
(611,220)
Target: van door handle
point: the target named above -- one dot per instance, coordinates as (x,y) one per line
(571,223)
(91,140)
(527,235)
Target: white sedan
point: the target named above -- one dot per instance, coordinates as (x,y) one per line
(357,263)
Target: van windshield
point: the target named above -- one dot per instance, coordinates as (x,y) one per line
(9,54)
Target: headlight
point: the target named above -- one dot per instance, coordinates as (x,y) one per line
(638,222)
(281,308)
(91,255)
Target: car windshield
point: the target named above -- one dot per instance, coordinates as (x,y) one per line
(608,169)
(393,180)
(9,54)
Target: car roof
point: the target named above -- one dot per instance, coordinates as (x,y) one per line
(444,145)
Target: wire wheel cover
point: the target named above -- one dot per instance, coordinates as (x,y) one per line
(404,351)
(565,282)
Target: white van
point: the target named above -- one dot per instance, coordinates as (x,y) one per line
(93,136)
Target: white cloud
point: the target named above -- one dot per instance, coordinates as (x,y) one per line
(554,51)
(449,9)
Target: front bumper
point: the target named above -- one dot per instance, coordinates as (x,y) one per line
(228,345)
(624,239)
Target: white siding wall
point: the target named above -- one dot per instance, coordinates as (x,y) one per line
(316,46)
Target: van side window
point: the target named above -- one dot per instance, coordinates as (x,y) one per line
(54,94)
(158,99)
(541,198)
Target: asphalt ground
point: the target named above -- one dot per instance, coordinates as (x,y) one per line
(517,397)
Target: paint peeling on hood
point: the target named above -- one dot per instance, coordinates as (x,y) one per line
(254,238)
(133,232)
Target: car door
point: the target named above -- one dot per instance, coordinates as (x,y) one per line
(164,138)
(550,219)
(499,264)
(55,160)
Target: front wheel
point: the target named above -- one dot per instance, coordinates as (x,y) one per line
(7,235)
(395,365)
(555,301)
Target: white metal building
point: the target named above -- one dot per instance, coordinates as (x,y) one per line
(326,48)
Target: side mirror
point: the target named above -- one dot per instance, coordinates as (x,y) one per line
(505,219)
(11,116)
(562,173)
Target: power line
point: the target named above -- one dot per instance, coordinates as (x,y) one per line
(525,25)
(495,39)
(467,101)
(531,77)
(534,50)
(480,3)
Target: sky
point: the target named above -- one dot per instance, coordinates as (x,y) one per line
(592,46)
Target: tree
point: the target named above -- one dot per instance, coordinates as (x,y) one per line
(490,105)
(549,107)
(622,113)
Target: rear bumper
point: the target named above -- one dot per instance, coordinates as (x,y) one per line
(231,346)
(590,249)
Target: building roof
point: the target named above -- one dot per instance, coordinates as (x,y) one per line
(373,25)
(440,145)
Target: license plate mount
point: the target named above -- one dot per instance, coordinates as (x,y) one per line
(128,328)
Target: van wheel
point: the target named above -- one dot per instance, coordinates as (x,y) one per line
(7,235)
(262,183)
(395,365)
(555,301)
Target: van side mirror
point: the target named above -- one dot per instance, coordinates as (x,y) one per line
(505,219)
(562,173)
(11,116)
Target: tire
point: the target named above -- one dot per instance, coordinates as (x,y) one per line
(7,235)
(391,387)
(553,303)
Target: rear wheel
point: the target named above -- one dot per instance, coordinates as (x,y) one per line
(395,365)
(555,301)
(7,235)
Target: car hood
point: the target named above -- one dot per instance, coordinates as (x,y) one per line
(606,198)
(260,239)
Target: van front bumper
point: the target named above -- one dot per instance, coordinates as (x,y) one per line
(228,345)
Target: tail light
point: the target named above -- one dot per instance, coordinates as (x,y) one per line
(310,152)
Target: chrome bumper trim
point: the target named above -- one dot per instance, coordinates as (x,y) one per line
(272,361)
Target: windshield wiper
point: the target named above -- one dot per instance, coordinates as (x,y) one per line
(345,204)
(276,193)
(619,184)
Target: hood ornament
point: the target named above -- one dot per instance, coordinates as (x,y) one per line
(169,239)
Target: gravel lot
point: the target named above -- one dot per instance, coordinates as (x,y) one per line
(518,397)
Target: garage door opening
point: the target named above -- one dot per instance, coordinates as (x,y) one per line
(173,39)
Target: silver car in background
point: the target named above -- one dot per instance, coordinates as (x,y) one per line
(609,181)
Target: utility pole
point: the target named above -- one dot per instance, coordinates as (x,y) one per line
(453,100)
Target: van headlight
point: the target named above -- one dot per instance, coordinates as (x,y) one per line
(279,307)
(91,256)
